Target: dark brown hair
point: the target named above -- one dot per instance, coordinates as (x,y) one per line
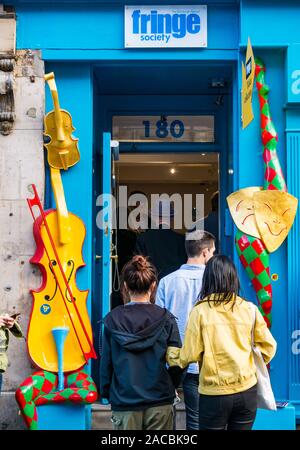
(220,282)
(138,274)
(197,241)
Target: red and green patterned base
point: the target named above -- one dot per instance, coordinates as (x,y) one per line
(40,389)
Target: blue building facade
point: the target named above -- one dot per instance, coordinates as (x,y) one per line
(98,77)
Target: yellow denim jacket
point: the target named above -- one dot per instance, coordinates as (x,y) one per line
(220,340)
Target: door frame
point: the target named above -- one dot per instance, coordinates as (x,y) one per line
(225,128)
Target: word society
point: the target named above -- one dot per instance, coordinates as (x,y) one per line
(160,27)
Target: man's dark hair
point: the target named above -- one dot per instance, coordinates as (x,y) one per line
(197,241)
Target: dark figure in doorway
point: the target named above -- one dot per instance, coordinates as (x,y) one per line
(163,245)
(211,222)
(125,243)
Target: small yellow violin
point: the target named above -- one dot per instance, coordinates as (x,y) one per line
(63,148)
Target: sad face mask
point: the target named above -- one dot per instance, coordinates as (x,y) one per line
(241,207)
(265,214)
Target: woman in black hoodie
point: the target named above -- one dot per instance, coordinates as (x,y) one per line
(137,336)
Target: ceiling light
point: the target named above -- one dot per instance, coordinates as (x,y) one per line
(172,171)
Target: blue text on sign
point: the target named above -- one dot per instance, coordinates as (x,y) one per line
(177,25)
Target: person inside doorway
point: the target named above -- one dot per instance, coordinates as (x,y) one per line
(137,336)
(211,222)
(125,242)
(162,245)
(178,292)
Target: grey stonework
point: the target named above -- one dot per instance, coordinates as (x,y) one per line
(10,418)
(21,163)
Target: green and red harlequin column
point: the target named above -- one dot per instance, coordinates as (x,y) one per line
(40,389)
(273,178)
(255,260)
(252,252)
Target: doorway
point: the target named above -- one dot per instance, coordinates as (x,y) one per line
(189,180)
(139,95)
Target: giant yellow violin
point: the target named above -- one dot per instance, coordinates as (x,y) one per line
(59,235)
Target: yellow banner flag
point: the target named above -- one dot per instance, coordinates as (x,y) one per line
(248,74)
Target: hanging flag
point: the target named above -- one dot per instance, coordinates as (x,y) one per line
(248,74)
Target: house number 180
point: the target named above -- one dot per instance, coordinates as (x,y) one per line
(176,129)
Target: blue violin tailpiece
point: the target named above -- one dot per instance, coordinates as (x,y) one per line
(60,334)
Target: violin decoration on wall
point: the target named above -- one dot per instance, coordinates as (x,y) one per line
(63,148)
(263,215)
(59,334)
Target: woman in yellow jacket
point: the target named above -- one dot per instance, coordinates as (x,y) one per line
(218,336)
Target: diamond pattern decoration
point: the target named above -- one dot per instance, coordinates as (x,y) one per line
(255,259)
(40,389)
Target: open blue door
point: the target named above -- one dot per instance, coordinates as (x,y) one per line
(102,284)
(107,225)
(103,243)
(109,155)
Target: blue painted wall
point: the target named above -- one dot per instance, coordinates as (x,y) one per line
(76,95)
(269,23)
(75,90)
(105,26)
(250,157)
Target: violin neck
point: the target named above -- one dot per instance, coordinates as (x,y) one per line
(61,206)
(58,118)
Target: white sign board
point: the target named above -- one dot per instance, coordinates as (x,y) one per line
(163,129)
(165,26)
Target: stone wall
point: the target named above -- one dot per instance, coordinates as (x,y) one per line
(21,163)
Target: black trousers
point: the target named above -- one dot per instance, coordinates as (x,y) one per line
(190,386)
(228,412)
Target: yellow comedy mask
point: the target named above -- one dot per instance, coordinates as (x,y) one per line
(274,214)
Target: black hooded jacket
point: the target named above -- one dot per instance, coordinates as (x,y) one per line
(133,373)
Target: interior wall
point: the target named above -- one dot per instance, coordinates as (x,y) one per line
(172,188)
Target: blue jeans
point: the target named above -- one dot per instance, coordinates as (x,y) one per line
(190,385)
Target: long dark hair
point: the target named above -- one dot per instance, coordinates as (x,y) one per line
(220,282)
(139,275)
